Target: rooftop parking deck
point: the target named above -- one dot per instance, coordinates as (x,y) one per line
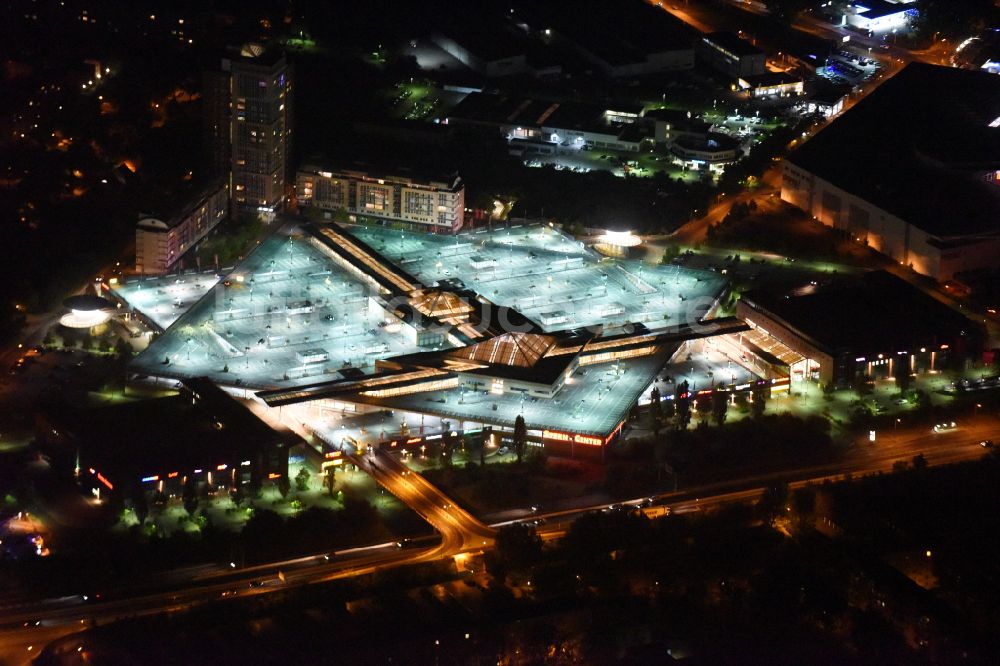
(551,278)
(163,299)
(296,313)
(287,315)
(593,402)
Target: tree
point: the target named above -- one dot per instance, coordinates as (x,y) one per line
(189,496)
(660,457)
(670,252)
(520,437)
(786,11)
(720,404)
(760,393)
(140,506)
(447,447)
(863,384)
(682,400)
(901,371)
(302,480)
(284,485)
(518,546)
(329,480)
(773,501)
(953,18)
(342,216)
(804,506)
(123,348)
(655,409)
(485,436)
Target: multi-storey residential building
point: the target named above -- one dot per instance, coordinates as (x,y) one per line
(160,241)
(215,126)
(248,125)
(435,203)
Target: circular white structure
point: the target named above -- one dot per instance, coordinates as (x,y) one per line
(619,239)
(617,243)
(85,311)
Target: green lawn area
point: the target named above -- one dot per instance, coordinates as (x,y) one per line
(222,512)
(230,241)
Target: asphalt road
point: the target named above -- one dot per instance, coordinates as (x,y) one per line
(25,628)
(460,531)
(959,445)
(708,18)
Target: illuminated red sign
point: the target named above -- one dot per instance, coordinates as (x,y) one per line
(570,437)
(614,432)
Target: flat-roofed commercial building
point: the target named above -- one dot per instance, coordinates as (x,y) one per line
(691,139)
(713,151)
(161,241)
(826,100)
(513,48)
(837,333)
(473,328)
(553,126)
(880,15)
(617,39)
(202,437)
(672,124)
(772,84)
(925,192)
(727,53)
(426,202)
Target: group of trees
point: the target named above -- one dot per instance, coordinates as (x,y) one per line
(955,18)
(786,11)
(700,454)
(268,535)
(621,584)
(679,410)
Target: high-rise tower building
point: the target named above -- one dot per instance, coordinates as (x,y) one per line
(248,125)
(215,99)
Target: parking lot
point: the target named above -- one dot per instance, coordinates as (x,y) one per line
(163,299)
(551,278)
(849,68)
(593,401)
(287,315)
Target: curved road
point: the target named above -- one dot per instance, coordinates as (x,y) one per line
(26,628)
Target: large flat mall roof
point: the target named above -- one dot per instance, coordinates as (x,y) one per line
(298,313)
(550,278)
